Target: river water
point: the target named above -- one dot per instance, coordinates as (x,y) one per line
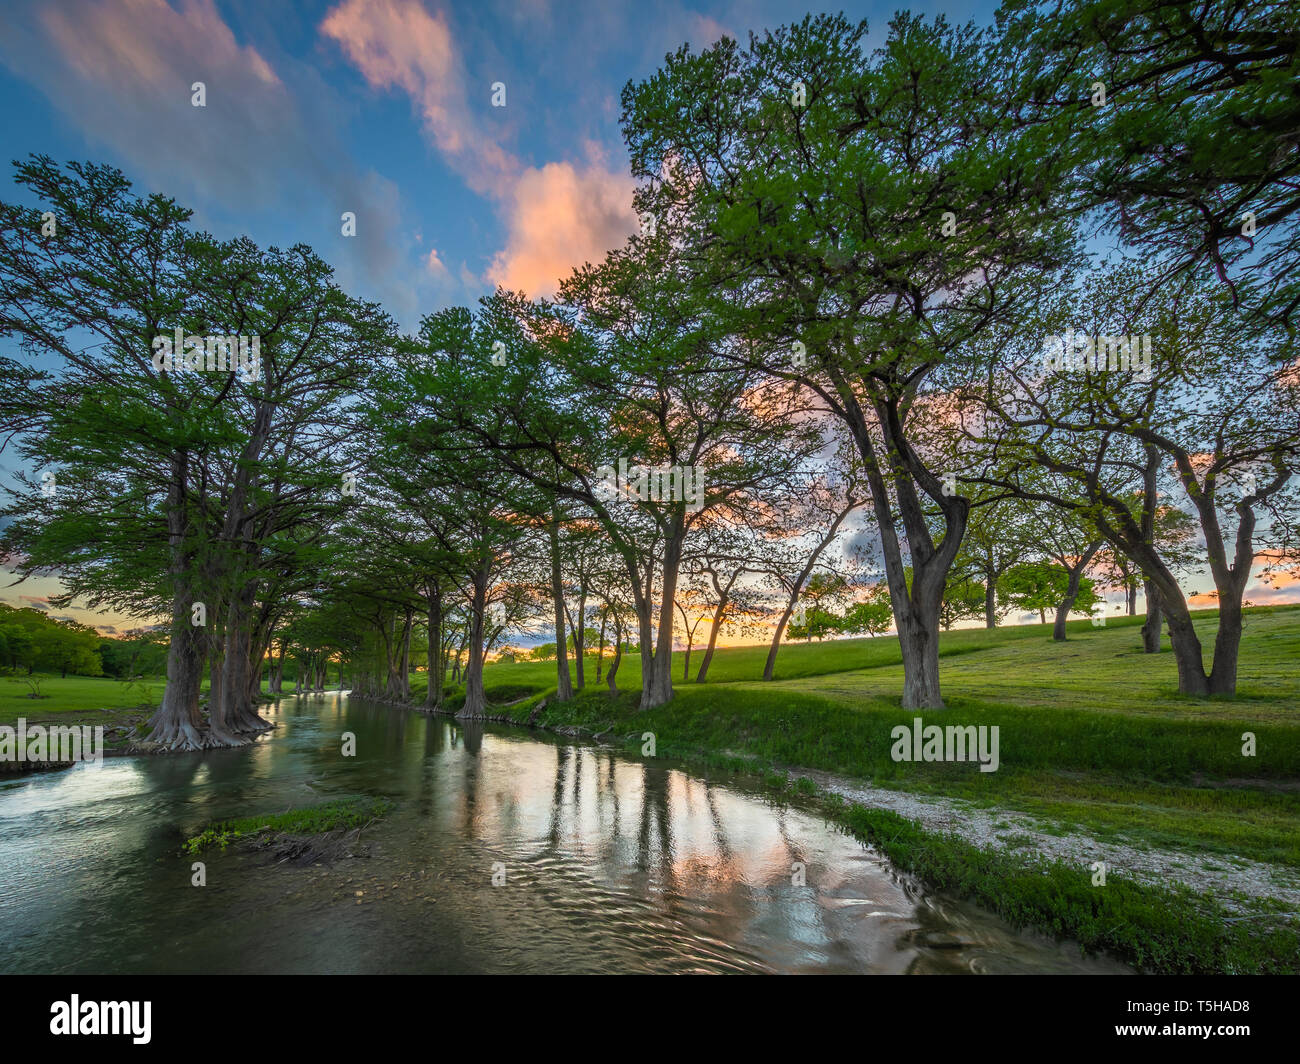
(610,864)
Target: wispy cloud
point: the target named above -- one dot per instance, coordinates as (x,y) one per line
(121,73)
(557,216)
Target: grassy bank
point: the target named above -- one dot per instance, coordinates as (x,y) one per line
(1093,734)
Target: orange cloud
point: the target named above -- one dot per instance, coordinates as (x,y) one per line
(560,217)
(557,217)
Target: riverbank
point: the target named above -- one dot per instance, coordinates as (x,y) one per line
(1101,763)
(1168,912)
(1120,814)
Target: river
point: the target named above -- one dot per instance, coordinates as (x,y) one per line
(610,864)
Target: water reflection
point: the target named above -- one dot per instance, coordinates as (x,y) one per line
(609,865)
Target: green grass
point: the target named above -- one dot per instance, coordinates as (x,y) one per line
(342,813)
(1172,932)
(73,695)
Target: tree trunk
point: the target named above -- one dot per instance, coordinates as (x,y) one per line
(600,653)
(563,683)
(475,698)
(657,688)
(1076,572)
(918,636)
(433,696)
(580,641)
(713,638)
(1227,646)
(1186,646)
(177,724)
(1151,627)
(277,676)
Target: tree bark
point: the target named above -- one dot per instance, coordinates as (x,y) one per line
(618,656)
(475,698)
(713,637)
(1151,627)
(177,723)
(563,682)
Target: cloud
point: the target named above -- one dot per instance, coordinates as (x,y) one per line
(121,73)
(558,216)
(705,31)
(398,44)
(435,265)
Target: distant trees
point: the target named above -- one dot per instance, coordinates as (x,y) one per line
(32,641)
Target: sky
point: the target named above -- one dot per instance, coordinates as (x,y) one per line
(378,107)
(381,108)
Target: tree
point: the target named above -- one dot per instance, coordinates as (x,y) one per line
(857,252)
(1212,418)
(1193,157)
(871,615)
(622,427)
(963,599)
(821,595)
(194,487)
(1044,585)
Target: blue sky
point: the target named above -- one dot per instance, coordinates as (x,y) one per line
(379,107)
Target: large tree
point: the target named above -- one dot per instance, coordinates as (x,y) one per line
(861,216)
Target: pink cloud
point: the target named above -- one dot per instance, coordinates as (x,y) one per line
(398,44)
(705,31)
(435,265)
(558,216)
(130,40)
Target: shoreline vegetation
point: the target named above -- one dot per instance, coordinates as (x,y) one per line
(308,835)
(1104,761)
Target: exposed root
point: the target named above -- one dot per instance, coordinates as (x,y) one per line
(173,737)
(221,737)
